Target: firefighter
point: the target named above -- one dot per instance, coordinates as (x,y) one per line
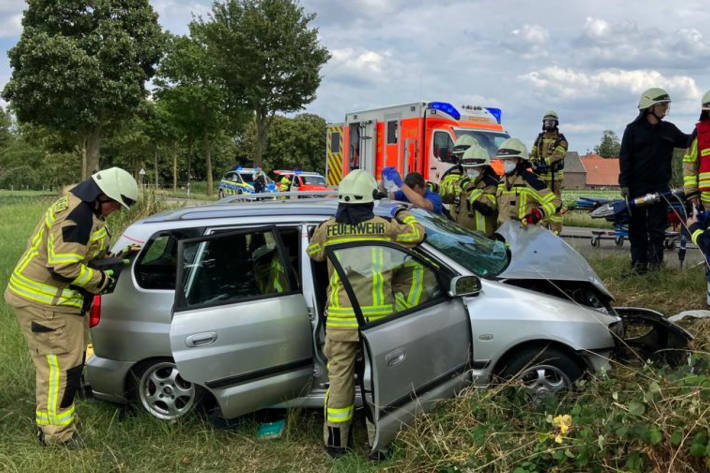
(696,162)
(473,200)
(645,167)
(49,289)
(448,183)
(697,228)
(354,222)
(269,271)
(285,184)
(521,195)
(547,157)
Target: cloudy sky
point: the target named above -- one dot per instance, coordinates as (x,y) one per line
(588,60)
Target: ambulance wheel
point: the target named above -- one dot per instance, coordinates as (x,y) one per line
(161,390)
(595,242)
(619,241)
(221,194)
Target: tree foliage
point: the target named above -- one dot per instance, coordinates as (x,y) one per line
(81,67)
(266,55)
(609,146)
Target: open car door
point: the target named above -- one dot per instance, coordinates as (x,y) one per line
(420,353)
(240,325)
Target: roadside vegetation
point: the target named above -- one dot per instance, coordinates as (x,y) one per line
(635,419)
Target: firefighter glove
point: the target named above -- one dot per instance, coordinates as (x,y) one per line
(109,282)
(396,210)
(624,192)
(533,217)
(391,174)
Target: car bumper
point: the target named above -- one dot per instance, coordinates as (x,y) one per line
(106,378)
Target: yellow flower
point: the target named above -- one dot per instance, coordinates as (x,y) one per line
(563,422)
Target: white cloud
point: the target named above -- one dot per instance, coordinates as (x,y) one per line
(577,84)
(10,25)
(534,34)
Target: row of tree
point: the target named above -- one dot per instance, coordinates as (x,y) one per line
(78,91)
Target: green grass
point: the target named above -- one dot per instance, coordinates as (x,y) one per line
(478,431)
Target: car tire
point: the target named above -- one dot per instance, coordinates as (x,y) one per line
(544,371)
(162,392)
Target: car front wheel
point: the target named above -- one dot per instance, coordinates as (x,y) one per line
(543,371)
(163,393)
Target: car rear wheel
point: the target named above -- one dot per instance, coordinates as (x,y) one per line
(543,371)
(163,393)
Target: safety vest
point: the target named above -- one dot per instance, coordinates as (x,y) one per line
(54,269)
(703,155)
(519,193)
(373,291)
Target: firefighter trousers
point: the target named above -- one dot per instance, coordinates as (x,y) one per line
(57,343)
(340,398)
(554,222)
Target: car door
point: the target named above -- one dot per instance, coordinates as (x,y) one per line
(240,324)
(421,352)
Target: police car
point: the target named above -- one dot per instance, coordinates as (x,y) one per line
(241,181)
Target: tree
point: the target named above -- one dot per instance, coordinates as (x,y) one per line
(190,93)
(610,146)
(266,55)
(81,67)
(297,143)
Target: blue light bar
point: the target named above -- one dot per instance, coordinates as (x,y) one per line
(496,112)
(446,108)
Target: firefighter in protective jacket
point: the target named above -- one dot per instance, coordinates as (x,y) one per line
(452,175)
(696,163)
(472,198)
(355,222)
(49,289)
(547,157)
(521,195)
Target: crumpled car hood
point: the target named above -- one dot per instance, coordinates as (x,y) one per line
(536,253)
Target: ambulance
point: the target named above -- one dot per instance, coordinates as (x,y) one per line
(418,137)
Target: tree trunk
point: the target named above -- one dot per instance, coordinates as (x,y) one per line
(208,161)
(83,159)
(93,142)
(262,130)
(155,167)
(175,176)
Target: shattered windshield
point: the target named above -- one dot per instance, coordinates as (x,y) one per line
(480,255)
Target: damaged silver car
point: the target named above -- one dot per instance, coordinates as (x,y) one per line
(223,304)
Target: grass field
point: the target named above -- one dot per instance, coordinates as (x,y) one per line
(476,432)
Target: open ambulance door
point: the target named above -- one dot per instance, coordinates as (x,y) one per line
(420,353)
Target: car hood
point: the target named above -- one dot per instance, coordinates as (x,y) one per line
(537,253)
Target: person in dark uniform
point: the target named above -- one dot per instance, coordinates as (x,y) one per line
(645,162)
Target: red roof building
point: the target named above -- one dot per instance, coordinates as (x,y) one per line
(601,172)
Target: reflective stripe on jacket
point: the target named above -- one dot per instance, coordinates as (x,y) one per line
(374,294)
(696,162)
(54,269)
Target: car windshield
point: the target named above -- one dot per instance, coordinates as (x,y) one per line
(480,255)
(313,180)
(489,140)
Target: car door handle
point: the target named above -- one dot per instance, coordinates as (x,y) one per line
(395,357)
(200,339)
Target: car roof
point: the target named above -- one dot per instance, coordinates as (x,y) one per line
(267,208)
(300,173)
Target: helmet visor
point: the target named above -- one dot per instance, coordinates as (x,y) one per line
(127,200)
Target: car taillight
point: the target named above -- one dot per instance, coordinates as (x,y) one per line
(95,312)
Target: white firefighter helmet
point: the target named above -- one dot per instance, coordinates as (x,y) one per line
(706,101)
(475,156)
(357,188)
(653,96)
(117,184)
(512,148)
(550,115)
(463,142)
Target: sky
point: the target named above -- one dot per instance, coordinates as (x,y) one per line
(587,60)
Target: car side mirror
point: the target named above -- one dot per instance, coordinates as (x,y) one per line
(464,286)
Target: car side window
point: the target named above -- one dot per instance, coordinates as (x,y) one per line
(387,281)
(234,267)
(156,266)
